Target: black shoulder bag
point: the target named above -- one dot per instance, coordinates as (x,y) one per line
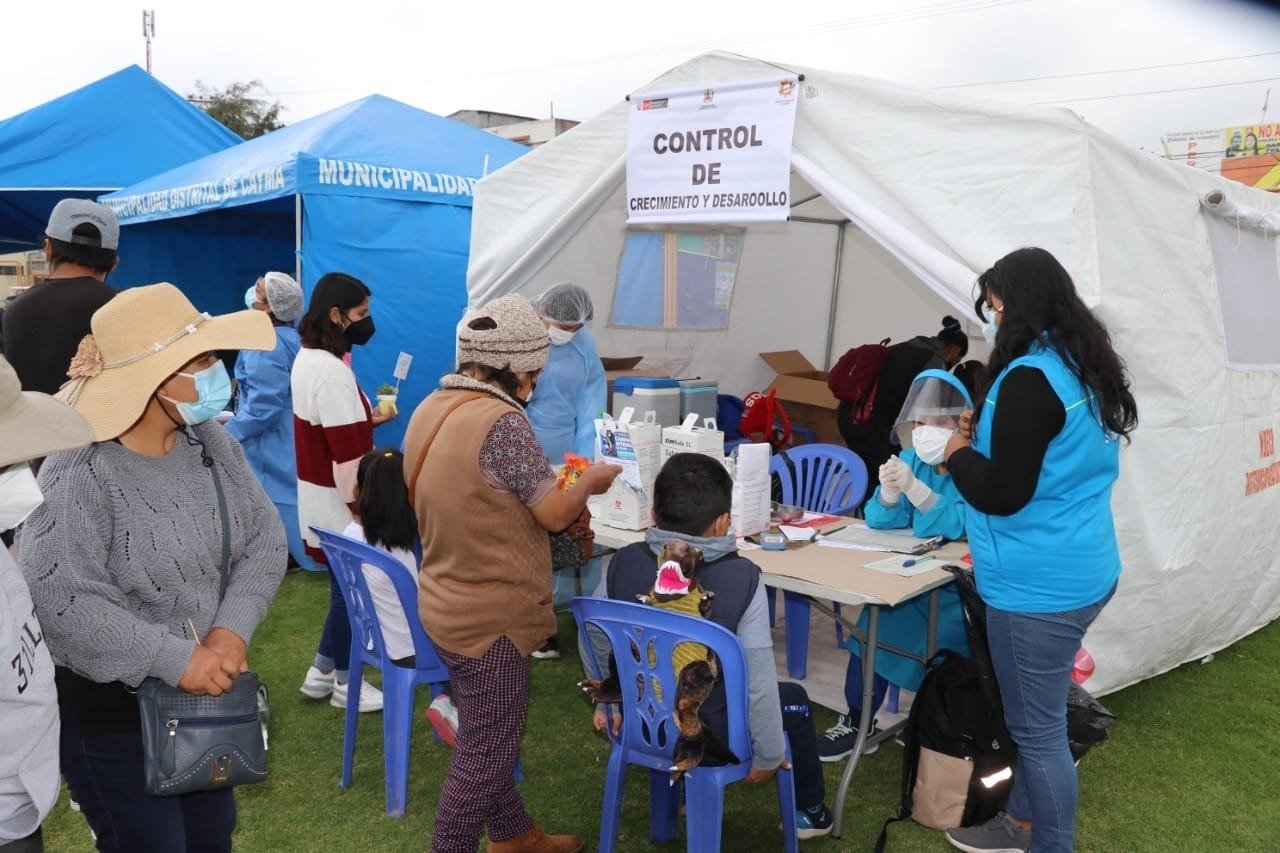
(203,743)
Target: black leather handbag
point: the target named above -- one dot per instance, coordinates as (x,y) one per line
(203,743)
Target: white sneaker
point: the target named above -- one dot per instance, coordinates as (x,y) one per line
(443,716)
(317,684)
(370,697)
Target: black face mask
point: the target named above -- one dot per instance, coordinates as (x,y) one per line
(359,332)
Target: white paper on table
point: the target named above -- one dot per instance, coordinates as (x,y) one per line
(876,540)
(897,566)
(745,545)
(796,534)
(826,542)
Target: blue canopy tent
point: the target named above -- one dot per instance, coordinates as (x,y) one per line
(99,138)
(376,188)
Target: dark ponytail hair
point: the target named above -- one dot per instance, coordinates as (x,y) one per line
(1040,299)
(952,335)
(383,503)
(333,290)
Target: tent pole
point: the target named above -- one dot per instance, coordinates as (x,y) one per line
(297,238)
(835,295)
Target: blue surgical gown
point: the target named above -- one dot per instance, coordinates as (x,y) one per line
(569,397)
(264,426)
(906,626)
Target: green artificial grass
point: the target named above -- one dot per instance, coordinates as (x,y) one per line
(1193,764)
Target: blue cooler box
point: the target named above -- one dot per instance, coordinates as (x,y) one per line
(698,395)
(660,394)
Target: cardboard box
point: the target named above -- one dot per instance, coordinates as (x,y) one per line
(688,438)
(803,390)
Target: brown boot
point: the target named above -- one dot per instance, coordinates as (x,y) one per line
(537,841)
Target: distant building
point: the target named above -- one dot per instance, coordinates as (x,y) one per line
(20,270)
(524,129)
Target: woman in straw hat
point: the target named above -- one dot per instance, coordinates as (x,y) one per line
(485,497)
(31,426)
(124,558)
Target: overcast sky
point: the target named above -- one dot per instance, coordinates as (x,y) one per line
(1214,59)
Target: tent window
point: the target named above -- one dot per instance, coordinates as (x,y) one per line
(1247,269)
(677,281)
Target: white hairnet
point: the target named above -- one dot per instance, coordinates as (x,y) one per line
(565,303)
(284,296)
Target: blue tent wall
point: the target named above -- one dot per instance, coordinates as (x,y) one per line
(413,256)
(106,135)
(212,258)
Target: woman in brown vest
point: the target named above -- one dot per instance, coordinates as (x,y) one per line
(486,496)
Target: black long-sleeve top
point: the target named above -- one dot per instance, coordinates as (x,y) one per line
(1030,414)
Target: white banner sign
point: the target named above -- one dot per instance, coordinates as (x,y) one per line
(719,154)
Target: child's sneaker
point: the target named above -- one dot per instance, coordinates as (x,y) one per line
(442,714)
(550,650)
(317,684)
(839,740)
(814,822)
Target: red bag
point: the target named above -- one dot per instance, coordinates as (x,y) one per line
(764,419)
(856,378)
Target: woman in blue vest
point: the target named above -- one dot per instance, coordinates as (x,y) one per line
(1036,470)
(264,414)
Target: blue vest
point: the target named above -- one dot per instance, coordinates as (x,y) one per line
(1059,551)
(732,578)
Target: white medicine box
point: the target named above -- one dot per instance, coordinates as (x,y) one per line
(688,438)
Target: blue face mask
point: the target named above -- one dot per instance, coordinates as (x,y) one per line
(213,386)
(251,296)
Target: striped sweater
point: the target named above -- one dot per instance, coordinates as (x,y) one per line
(332,429)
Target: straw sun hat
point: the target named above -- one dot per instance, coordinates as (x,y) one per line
(140,338)
(34,425)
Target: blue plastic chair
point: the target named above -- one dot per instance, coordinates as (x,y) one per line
(346,558)
(639,633)
(828,479)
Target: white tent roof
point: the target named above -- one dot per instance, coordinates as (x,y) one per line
(934,188)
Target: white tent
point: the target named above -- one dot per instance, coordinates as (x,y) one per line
(900,197)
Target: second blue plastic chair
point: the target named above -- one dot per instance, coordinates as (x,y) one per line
(643,638)
(346,558)
(830,479)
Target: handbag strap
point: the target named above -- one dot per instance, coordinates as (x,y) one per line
(417,468)
(224,567)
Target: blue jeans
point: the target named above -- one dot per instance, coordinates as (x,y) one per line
(1032,654)
(853,689)
(334,651)
(105,775)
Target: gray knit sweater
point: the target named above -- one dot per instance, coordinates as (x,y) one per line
(127,548)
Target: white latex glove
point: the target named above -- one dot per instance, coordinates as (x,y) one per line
(889,491)
(915,489)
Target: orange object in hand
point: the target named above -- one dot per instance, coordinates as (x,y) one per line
(573,466)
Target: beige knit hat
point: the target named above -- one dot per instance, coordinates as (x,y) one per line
(141,338)
(506,334)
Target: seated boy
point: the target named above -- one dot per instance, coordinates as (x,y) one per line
(691,502)
(915,492)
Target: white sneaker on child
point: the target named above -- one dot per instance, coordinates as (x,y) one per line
(317,684)
(370,697)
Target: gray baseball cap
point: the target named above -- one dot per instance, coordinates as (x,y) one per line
(73,212)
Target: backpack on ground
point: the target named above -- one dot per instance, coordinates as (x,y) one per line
(856,378)
(958,760)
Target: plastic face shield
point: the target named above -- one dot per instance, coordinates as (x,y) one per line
(932,401)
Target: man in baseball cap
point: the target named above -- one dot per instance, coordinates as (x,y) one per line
(43,327)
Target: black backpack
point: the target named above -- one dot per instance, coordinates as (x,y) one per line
(957,765)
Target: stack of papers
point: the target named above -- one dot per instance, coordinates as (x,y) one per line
(857,537)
